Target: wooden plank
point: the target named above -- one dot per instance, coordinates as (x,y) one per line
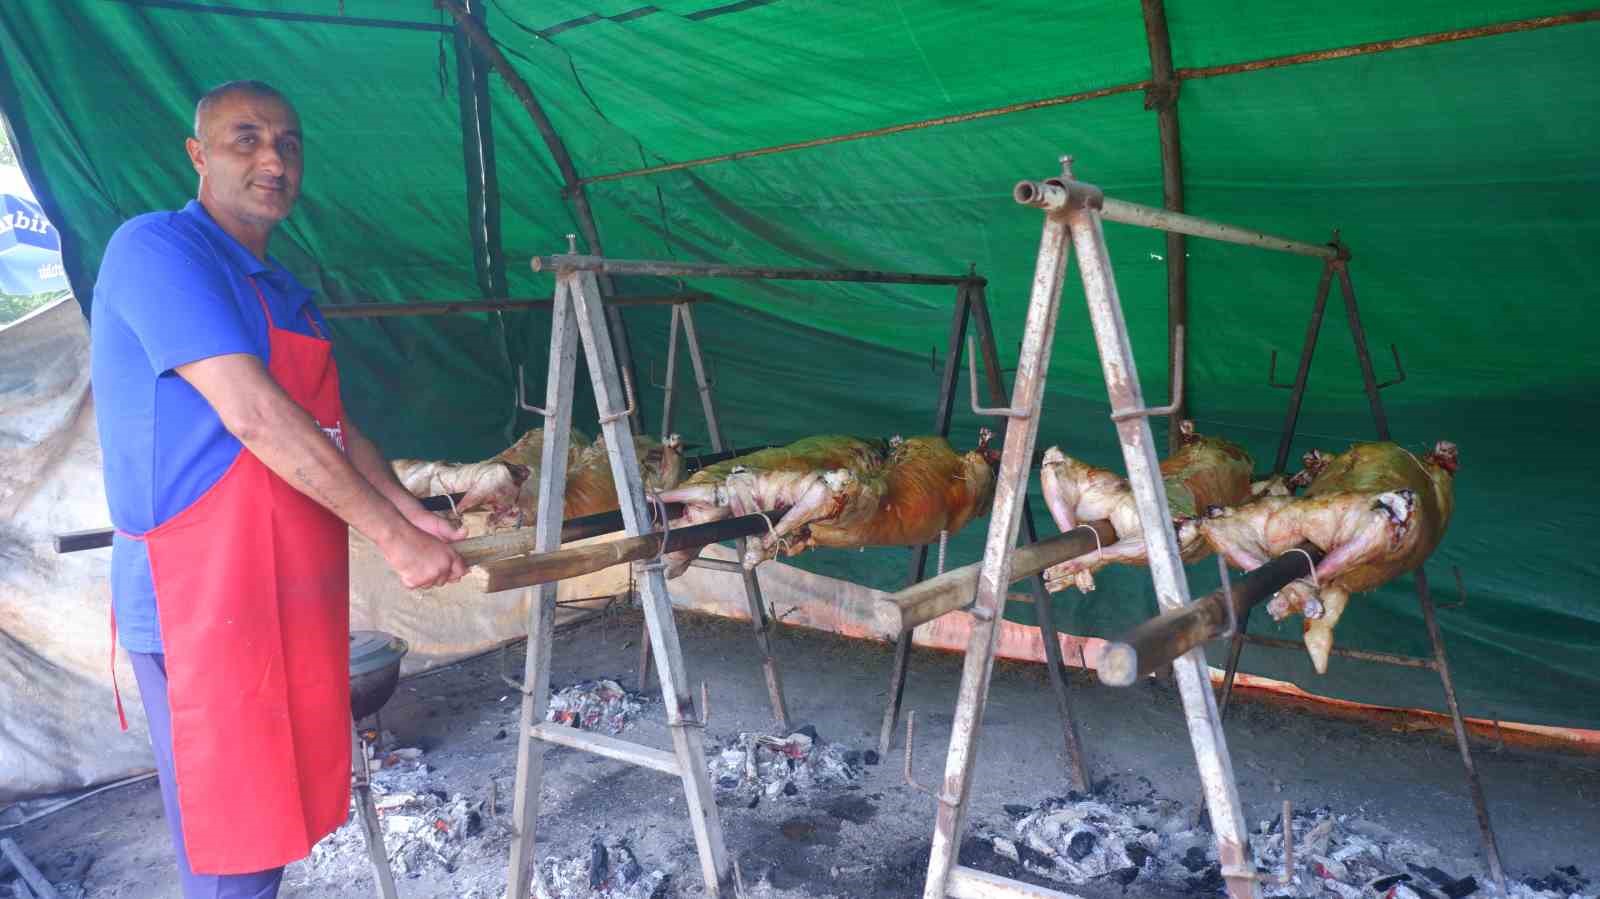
(27,872)
(970,883)
(607,746)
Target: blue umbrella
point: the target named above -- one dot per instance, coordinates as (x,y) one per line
(30,249)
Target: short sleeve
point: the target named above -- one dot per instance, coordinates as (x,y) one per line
(173,294)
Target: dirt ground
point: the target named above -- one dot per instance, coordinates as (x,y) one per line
(870,839)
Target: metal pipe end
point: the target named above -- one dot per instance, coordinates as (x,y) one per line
(1118,665)
(1027,192)
(538,263)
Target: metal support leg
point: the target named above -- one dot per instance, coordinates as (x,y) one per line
(1303,373)
(687,738)
(1011,485)
(1077,768)
(1359,335)
(1166,566)
(1491,848)
(948,378)
(763,623)
(669,385)
(578,312)
(367,813)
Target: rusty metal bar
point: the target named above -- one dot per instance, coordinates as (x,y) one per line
(1163,98)
(667,269)
(1011,486)
(1155,642)
(1384,46)
(1096,93)
(1155,519)
(1359,335)
(1441,664)
(574,189)
(455,307)
(990,113)
(1303,373)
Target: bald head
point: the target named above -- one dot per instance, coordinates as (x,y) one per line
(213,98)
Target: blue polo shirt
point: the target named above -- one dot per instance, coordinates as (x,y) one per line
(173,288)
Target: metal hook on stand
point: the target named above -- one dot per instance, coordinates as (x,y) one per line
(911,780)
(627,386)
(522,398)
(1397,367)
(1120,415)
(972,382)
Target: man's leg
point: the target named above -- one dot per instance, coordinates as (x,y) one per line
(151,672)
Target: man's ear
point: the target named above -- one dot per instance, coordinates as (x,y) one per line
(197,156)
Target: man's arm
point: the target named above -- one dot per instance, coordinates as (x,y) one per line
(366,458)
(279,432)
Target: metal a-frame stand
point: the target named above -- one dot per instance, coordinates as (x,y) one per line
(578,310)
(1440,663)
(1074,212)
(972,307)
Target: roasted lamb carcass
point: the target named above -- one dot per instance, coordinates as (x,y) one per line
(1376,511)
(844,492)
(1204,472)
(503,492)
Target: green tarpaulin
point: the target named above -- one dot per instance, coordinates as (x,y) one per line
(1462,175)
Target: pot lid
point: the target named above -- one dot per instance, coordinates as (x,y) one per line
(373,651)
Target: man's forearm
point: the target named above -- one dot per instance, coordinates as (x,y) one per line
(291,444)
(367,460)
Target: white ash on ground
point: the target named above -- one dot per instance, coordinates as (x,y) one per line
(760,765)
(1080,840)
(609,870)
(601,705)
(424,826)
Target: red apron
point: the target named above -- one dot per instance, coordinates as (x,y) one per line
(253,594)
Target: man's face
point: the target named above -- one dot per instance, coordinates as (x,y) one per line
(248,155)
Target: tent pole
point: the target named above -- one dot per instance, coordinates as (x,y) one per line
(1162,96)
(573,188)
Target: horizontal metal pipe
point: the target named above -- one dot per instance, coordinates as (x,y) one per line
(719,565)
(665,269)
(1166,220)
(454,307)
(1382,658)
(957,587)
(1157,641)
(543,568)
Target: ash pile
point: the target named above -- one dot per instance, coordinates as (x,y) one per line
(752,766)
(1080,840)
(598,705)
(425,827)
(609,870)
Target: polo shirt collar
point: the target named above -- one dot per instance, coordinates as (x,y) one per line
(241,258)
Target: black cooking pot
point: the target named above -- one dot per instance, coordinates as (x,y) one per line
(374,670)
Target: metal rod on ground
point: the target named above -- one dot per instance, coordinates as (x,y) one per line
(665,269)
(545,567)
(1162,96)
(1044,611)
(1155,519)
(1480,805)
(900,669)
(1360,655)
(456,307)
(955,588)
(26,871)
(1158,641)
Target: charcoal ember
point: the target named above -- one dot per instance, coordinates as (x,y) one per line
(597,705)
(758,765)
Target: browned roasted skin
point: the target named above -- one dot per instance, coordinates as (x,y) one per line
(927,487)
(1377,511)
(1204,472)
(507,486)
(842,492)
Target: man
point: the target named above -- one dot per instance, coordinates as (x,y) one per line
(232,473)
